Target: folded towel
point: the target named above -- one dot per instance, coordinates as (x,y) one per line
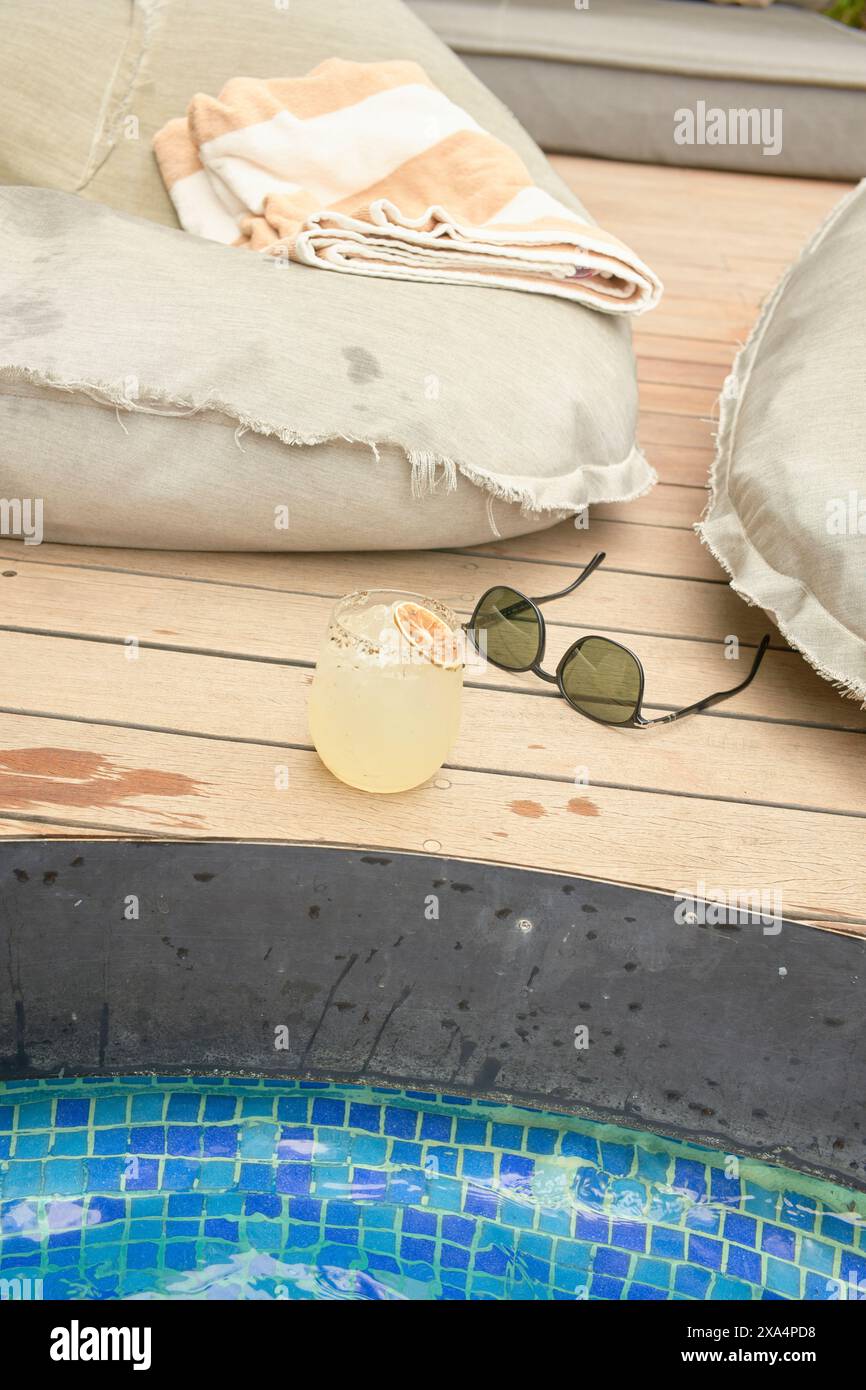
(369,169)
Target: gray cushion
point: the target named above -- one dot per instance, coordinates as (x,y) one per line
(159,390)
(606,81)
(787,516)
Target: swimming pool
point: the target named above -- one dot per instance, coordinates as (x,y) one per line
(229,1188)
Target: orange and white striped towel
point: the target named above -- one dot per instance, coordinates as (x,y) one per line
(369,169)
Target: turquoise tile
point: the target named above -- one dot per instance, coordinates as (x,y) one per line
(723,1288)
(216,1175)
(33,1145)
(816,1254)
(759,1201)
(148,1107)
(381,1218)
(519,1214)
(110,1110)
(445,1193)
(259,1141)
(626,1197)
(565,1188)
(383,1242)
(555,1220)
(35,1115)
(64,1177)
(654,1272)
(264,1235)
(783,1277)
(23,1179)
(654,1167)
(367,1151)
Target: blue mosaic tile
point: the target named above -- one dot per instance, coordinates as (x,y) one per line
(470,1131)
(819,1287)
(741,1229)
(437,1127)
(744,1264)
(516,1172)
(399,1123)
(691,1177)
(447,1197)
(630,1235)
(777,1241)
(589,1227)
(71,1113)
(617,1159)
(703,1217)
(798,1210)
(706,1252)
(669,1244)
(691,1281)
(837,1228)
(724,1189)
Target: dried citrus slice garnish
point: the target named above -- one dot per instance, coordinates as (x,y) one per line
(427,634)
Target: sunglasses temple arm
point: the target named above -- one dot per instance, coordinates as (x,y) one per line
(587,571)
(720,695)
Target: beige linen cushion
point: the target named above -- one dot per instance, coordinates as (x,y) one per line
(607,80)
(787,516)
(159,390)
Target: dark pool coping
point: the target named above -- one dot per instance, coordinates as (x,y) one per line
(693,1030)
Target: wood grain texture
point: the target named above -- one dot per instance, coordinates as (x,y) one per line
(502,730)
(182,786)
(155,693)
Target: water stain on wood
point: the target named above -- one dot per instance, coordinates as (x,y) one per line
(582,806)
(530,809)
(72,777)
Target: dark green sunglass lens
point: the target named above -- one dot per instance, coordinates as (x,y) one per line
(506,629)
(603,680)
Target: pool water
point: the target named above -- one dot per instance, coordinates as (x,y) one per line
(222,1188)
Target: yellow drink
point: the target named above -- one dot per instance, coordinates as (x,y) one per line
(384,712)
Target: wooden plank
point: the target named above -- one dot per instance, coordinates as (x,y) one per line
(649,346)
(250,615)
(257,623)
(24,829)
(638,549)
(502,731)
(680,430)
(703,320)
(128,780)
(674,399)
(664,184)
(664,505)
(678,673)
(667,372)
(679,465)
(747,284)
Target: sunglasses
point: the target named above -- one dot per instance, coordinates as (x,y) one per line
(598,677)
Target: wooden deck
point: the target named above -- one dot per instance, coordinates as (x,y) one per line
(184,740)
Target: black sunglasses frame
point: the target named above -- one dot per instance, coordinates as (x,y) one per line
(636,720)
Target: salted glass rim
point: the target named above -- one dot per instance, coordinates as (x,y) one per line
(344,636)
